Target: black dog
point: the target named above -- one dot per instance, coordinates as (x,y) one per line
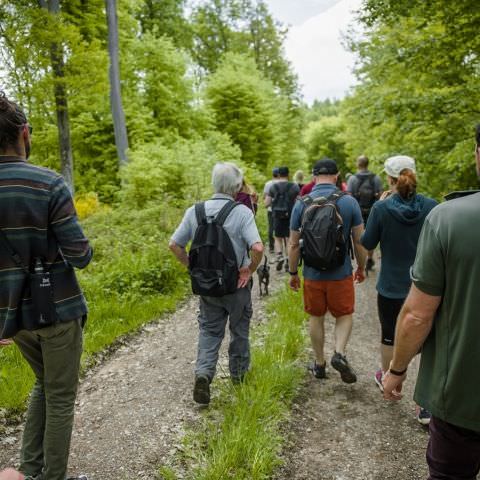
(263,272)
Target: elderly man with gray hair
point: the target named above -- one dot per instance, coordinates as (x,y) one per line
(238,223)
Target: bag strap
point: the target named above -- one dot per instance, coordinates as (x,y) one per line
(336,195)
(200,213)
(11,251)
(225,212)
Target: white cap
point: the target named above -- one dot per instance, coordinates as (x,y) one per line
(394,165)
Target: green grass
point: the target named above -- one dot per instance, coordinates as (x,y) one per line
(132,280)
(240,436)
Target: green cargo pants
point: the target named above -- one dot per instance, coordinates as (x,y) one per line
(54,355)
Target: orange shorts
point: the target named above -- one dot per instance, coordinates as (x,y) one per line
(336,296)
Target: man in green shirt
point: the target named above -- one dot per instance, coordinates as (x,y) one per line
(441,316)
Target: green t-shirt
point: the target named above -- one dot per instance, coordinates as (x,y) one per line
(448,265)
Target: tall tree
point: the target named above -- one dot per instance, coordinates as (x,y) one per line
(61,98)
(246,27)
(121,139)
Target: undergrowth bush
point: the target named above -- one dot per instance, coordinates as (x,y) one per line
(179,173)
(132,279)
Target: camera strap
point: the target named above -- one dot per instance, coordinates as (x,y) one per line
(11,251)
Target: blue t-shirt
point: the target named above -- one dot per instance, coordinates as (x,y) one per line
(352,217)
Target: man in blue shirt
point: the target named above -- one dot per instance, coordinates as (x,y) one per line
(331,290)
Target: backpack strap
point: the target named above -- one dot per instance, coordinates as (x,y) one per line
(200,213)
(225,212)
(336,195)
(307,200)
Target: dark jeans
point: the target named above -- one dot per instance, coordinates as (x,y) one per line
(271,242)
(453,452)
(54,356)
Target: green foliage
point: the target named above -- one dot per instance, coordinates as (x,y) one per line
(160,86)
(167,18)
(177,174)
(241,437)
(244,27)
(418,91)
(325,138)
(260,121)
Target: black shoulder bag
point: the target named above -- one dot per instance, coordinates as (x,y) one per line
(40,284)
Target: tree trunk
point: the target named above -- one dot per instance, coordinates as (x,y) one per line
(61,100)
(120,128)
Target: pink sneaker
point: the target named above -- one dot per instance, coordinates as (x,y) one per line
(378,377)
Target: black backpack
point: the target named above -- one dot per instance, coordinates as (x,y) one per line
(321,234)
(282,204)
(365,192)
(212,261)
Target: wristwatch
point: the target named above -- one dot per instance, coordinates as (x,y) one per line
(397,372)
(293,273)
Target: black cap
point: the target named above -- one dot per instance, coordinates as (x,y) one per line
(283,171)
(275,171)
(325,166)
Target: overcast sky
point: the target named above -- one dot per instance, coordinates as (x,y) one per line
(314,44)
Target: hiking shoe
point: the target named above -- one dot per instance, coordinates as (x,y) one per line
(378,377)
(279,265)
(370,264)
(80,477)
(422,415)
(201,390)
(318,371)
(340,363)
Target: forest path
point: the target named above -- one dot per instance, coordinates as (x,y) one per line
(348,432)
(131,409)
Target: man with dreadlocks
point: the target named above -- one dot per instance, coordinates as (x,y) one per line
(39,231)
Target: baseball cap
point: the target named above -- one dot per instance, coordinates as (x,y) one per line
(394,165)
(275,171)
(283,171)
(325,166)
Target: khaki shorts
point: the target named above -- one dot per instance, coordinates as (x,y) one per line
(336,296)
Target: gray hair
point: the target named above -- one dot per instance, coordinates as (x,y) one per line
(227,178)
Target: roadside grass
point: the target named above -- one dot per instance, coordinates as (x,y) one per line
(132,280)
(240,436)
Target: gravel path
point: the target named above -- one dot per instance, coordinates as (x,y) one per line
(348,432)
(131,409)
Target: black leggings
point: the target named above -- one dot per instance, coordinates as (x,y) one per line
(388,310)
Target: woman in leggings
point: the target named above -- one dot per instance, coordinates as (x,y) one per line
(395,223)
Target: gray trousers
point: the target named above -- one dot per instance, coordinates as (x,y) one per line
(212,320)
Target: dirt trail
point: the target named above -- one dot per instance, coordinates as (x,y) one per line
(348,432)
(131,409)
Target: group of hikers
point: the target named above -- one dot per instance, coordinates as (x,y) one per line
(427,300)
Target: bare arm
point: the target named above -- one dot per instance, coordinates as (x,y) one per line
(245,273)
(256,255)
(360,252)
(294,258)
(294,250)
(413,326)
(267,200)
(179,252)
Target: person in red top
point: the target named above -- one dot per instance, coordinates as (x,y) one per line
(248,197)
(307,188)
